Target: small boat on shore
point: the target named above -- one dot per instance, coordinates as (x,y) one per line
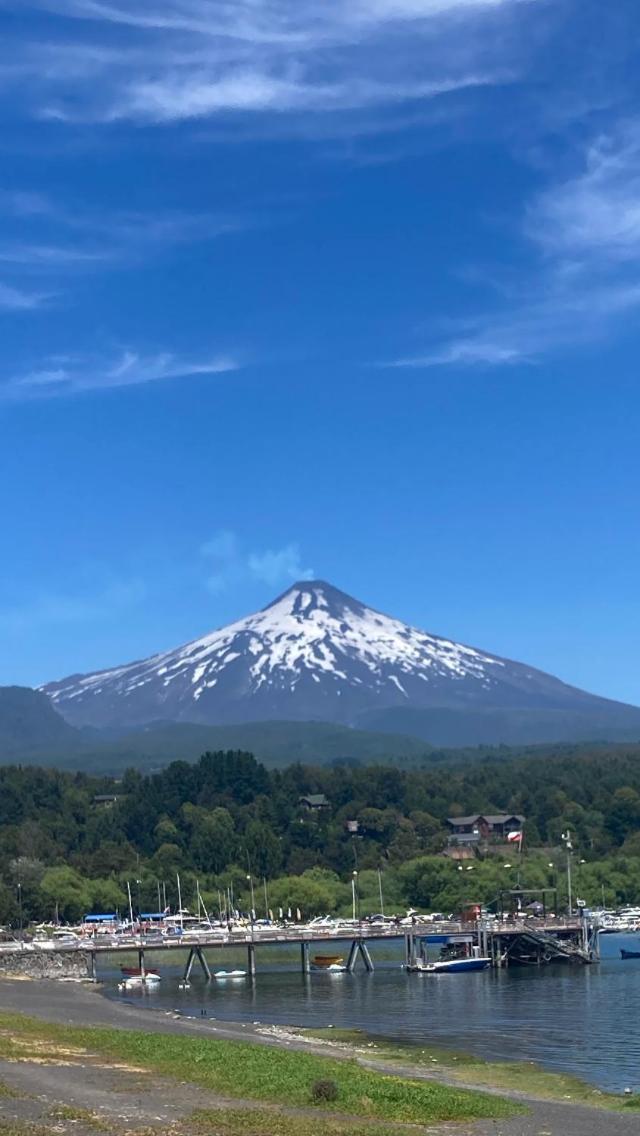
(629,954)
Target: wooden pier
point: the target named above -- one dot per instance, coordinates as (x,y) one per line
(506,943)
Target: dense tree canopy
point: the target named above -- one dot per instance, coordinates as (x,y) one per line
(227,818)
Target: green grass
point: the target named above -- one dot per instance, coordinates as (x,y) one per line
(70,1112)
(266,1122)
(257,1072)
(509,1076)
(8,1093)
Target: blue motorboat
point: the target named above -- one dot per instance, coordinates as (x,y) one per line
(452,966)
(449,966)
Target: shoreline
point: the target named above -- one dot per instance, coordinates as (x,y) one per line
(83,1005)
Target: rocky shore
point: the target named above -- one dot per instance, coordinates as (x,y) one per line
(38,964)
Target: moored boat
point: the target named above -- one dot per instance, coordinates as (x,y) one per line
(629,954)
(325,961)
(137,982)
(449,966)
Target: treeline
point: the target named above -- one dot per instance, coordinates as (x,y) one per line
(227,818)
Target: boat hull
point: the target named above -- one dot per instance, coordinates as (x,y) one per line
(452,966)
(136,982)
(630,954)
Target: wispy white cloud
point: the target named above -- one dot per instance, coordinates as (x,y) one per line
(229,564)
(596,213)
(61,377)
(181,59)
(21,300)
(57,243)
(48,257)
(70,236)
(584,231)
(279,566)
(467,352)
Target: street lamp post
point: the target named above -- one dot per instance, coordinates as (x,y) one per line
(20,908)
(566,837)
(553,884)
(380,891)
(355,897)
(253,898)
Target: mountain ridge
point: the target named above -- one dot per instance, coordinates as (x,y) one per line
(316,653)
(28,722)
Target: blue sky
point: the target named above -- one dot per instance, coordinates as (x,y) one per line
(350,290)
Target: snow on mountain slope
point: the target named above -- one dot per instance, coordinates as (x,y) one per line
(314,653)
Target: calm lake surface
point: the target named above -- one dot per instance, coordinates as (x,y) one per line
(581,1020)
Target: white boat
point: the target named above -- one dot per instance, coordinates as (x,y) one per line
(137,982)
(57,939)
(230,974)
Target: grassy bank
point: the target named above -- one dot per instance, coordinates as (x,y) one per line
(509,1076)
(250,1072)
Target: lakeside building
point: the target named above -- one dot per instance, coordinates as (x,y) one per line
(483,828)
(314,802)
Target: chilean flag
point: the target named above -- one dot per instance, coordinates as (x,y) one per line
(514,837)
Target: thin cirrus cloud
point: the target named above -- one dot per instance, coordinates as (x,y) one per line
(595,214)
(14,299)
(585,234)
(47,236)
(183,59)
(61,377)
(55,243)
(229,564)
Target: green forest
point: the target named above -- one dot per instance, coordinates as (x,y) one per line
(227,818)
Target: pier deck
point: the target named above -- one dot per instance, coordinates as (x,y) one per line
(529,941)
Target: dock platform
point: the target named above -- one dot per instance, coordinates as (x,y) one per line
(506,943)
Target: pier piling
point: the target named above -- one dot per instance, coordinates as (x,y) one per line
(203,963)
(189,967)
(304,954)
(251,959)
(358,948)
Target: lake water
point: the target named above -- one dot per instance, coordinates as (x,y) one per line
(581,1019)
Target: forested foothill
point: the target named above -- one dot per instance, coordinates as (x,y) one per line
(70,842)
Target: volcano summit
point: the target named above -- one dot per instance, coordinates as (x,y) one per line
(316,653)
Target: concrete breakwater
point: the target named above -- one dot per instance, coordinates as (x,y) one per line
(33,963)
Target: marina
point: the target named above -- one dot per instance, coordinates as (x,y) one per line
(500,944)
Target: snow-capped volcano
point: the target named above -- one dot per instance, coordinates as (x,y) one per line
(314,653)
